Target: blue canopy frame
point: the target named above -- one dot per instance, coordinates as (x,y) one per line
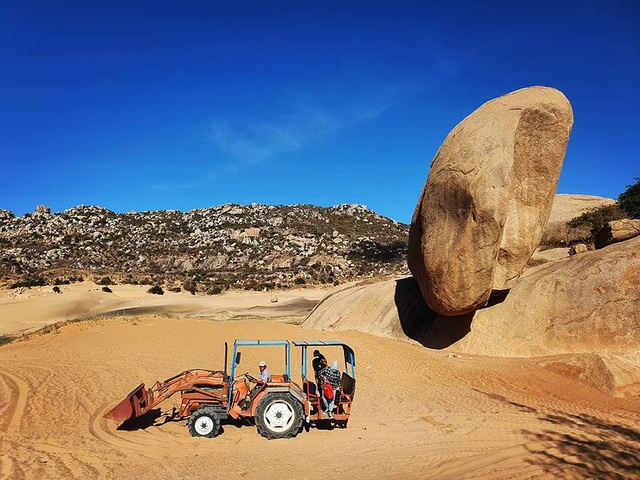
(349,356)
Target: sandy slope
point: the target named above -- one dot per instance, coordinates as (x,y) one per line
(418,413)
(25,310)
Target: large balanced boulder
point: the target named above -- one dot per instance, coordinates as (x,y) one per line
(487,199)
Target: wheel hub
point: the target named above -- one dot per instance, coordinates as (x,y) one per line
(204,426)
(278,416)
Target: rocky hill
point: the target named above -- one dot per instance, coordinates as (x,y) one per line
(254,247)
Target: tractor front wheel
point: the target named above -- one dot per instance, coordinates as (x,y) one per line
(279,415)
(204,422)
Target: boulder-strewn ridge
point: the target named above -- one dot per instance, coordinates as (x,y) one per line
(244,246)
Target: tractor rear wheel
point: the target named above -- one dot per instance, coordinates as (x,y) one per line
(279,415)
(204,422)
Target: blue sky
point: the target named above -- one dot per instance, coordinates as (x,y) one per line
(145,105)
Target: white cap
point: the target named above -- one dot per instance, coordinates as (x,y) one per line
(262,364)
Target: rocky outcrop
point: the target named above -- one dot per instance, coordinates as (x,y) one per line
(487,199)
(589,303)
(239,246)
(578,249)
(617,231)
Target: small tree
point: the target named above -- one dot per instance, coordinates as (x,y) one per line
(190,286)
(630,200)
(597,218)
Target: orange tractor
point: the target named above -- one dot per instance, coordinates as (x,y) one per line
(279,407)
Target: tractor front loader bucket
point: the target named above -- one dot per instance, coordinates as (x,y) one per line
(135,404)
(142,399)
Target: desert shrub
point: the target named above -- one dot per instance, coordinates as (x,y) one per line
(190,286)
(215,290)
(175,289)
(156,290)
(105,281)
(299,281)
(106,289)
(30,282)
(596,218)
(56,289)
(629,200)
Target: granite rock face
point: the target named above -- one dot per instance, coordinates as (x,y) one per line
(487,199)
(589,303)
(617,231)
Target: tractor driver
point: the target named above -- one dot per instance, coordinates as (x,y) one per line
(264,376)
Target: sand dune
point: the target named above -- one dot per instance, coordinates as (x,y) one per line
(418,413)
(26,310)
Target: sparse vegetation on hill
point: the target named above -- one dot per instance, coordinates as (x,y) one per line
(588,226)
(204,250)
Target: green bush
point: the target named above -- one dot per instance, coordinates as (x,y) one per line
(596,218)
(105,281)
(299,281)
(629,200)
(156,290)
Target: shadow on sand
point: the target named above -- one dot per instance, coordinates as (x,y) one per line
(151,418)
(588,446)
(580,445)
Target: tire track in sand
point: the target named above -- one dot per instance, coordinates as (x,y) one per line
(17,402)
(98,427)
(6,468)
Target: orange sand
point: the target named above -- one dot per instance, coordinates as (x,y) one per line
(418,413)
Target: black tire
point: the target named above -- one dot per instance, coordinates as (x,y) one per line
(279,415)
(204,422)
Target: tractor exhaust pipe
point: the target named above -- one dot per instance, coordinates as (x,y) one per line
(226,351)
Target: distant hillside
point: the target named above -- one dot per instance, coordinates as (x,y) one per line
(255,246)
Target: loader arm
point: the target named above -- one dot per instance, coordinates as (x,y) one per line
(140,400)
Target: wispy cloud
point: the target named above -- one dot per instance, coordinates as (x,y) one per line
(306,122)
(180,187)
